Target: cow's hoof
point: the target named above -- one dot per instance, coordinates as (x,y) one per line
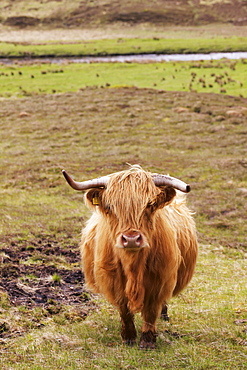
(147,345)
(148,340)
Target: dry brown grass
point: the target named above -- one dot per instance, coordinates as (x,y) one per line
(8,34)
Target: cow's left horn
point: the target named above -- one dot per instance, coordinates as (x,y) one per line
(100,182)
(162,180)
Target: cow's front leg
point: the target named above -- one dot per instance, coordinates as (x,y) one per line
(128,331)
(148,336)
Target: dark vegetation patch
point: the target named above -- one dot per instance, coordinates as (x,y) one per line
(22,21)
(165,17)
(190,13)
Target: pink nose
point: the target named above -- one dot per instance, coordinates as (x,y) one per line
(132,240)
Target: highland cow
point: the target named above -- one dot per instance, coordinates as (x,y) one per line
(139,247)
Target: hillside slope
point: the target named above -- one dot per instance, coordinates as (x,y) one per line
(87,13)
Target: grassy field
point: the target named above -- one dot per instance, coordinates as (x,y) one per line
(200,138)
(185,119)
(123,46)
(224,76)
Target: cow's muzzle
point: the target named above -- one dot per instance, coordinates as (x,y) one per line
(131,240)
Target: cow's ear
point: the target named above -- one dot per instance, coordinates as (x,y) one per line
(94,197)
(163,198)
(169,193)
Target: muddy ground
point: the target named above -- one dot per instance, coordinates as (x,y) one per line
(40,291)
(35,284)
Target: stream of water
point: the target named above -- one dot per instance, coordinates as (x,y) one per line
(142,58)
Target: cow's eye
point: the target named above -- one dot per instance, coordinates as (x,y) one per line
(107,208)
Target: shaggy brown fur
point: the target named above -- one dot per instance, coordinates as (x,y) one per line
(144,279)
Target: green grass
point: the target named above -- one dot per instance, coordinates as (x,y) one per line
(125,46)
(224,76)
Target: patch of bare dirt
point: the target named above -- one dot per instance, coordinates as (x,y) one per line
(39,282)
(31,276)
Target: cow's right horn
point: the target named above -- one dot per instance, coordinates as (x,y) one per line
(162,180)
(100,182)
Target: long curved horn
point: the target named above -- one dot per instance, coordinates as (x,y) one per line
(100,182)
(162,180)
